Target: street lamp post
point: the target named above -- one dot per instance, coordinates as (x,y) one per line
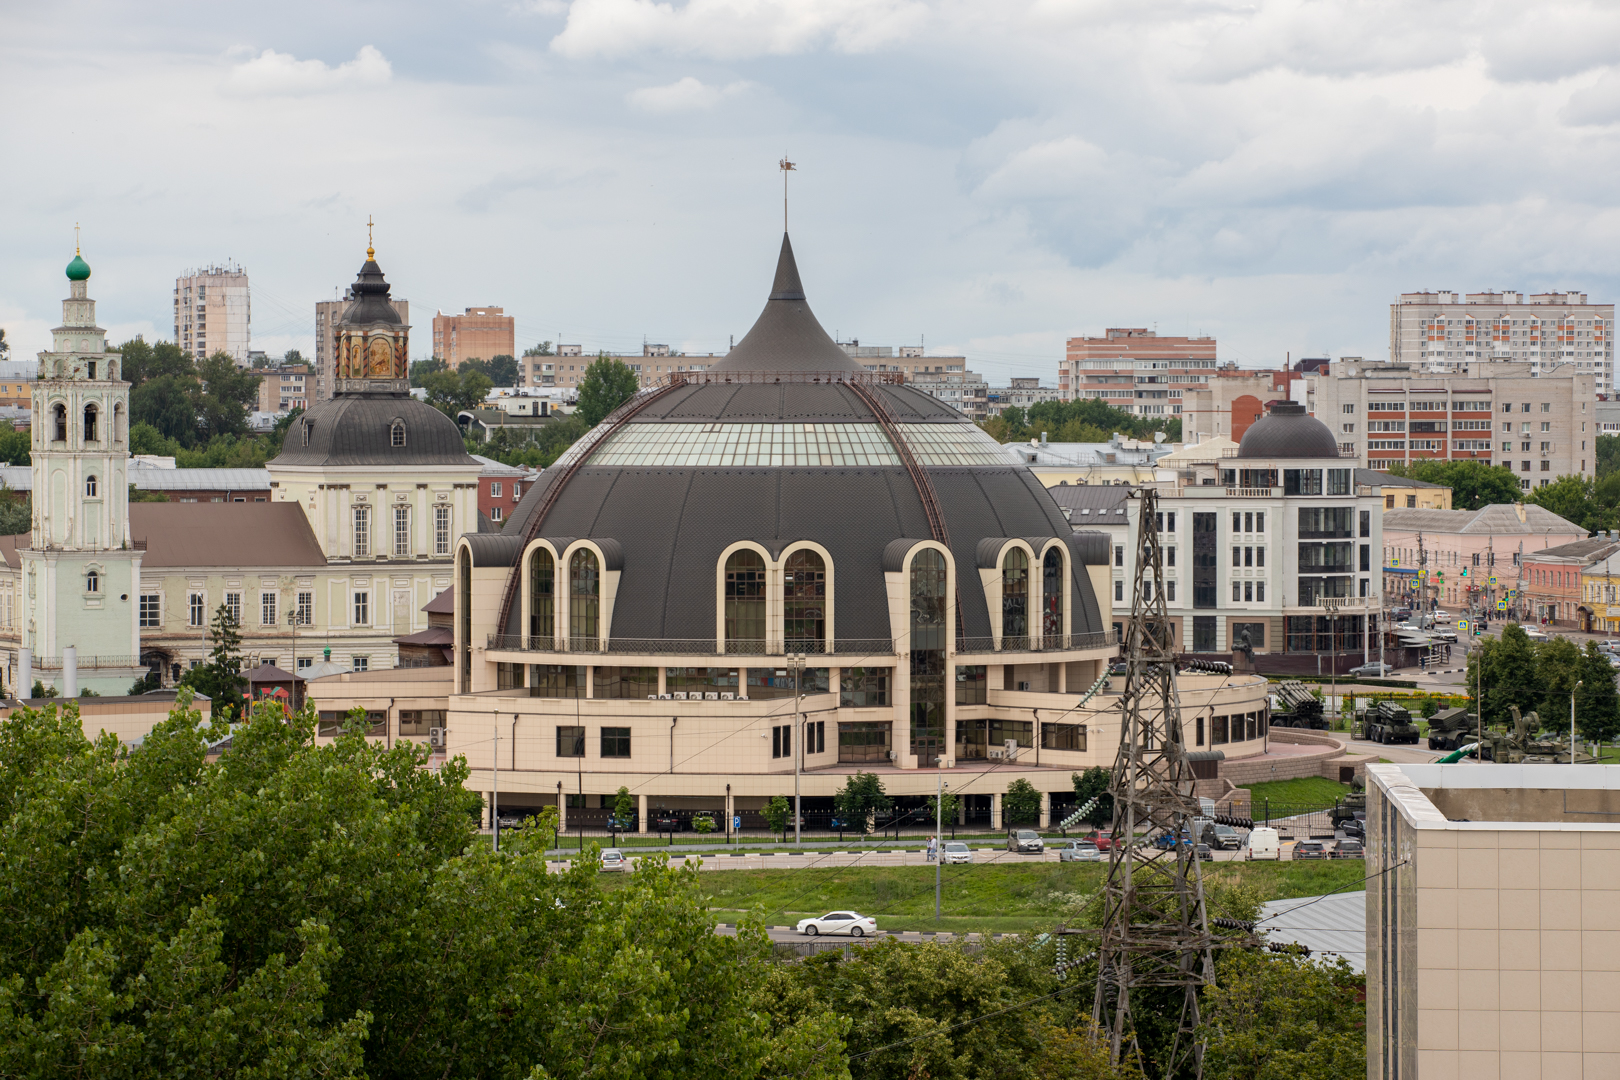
(798,734)
(939,835)
(1572,690)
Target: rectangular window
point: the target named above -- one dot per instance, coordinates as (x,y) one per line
(196,609)
(1237,522)
(1248,592)
(360,663)
(1338,481)
(1302,481)
(1169,556)
(402,530)
(1063,736)
(1119,592)
(1205,560)
(616,742)
(863,741)
(1259,592)
(863,688)
(441,530)
(971,684)
(1248,556)
(557,680)
(625,683)
(782,741)
(151,609)
(1237,591)
(815,737)
(1119,555)
(570,742)
(1170,591)
(267,609)
(1260,522)
(1203,633)
(716,681)
(306,608)
(495,488)
(233,606)
(1217,731)
(420,721)
(331,723)
(362,531)
(1366,523)
(1237,556)
(362,609)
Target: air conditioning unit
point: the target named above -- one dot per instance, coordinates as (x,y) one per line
(435,736)
(652,697)
(665,697)
(1011,746)
(727,695)
(996,753)
(891,755)
(1023,686)
(712,695)
(680,695)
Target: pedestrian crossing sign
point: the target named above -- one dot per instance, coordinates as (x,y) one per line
(1501,605)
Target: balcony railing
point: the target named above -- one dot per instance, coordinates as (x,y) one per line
(54,663)
(691,646)
(1054,643)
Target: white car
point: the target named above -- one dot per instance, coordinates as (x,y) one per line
(613,860)
(955,851)
(839,922)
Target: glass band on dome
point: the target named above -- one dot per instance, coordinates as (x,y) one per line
(724,445)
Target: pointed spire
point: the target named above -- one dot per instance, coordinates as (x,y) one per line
(787,285)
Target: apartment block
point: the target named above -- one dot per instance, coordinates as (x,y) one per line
(327,315)
(283,389)
(17,382)
(566,368)
(213,312)
(1023,393)
(1545,330)
(1232,399)
(1136,370)
(1540,423)
(479,333)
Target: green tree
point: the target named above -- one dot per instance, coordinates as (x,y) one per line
(943,808)
(16,513)
(1269,1017)
(607,384)
(1597,703)
(5,346)
(1573,498)
(624,805)
(1558,669)
(1473,484)
(228,393)
(451,393)
(503,370)
(292,356)
(167,404)
(221,677)
(778,812)
(140,361)
(542,349)
(421,369)
(14,446)
(861,796)
(1093,784)
(1022,803)
(1509,674)
(1607,449)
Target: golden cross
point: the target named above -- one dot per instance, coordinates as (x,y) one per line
(368,230)
(76,238)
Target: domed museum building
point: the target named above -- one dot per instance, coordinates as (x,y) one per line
(773,574)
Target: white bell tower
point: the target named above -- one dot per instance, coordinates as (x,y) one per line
(81,572)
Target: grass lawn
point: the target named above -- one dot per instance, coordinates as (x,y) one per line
(1310,792)
(989,898)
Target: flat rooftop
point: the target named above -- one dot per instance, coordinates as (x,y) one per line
(1503,797)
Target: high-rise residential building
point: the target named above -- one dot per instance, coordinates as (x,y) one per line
(1545,330)
(1135,369)
(1541,424)
(284,388)
(481,333)
(328,313)
(213,312)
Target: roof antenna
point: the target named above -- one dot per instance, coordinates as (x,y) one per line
(786,166)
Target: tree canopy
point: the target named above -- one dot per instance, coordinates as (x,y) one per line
(1473,484)
(1540,676)
(1087,420)
(607,384)
(499,370)
(190,402)
(450,392)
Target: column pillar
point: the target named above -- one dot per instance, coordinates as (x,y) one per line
(995,810)
(641,814)
(1046,809)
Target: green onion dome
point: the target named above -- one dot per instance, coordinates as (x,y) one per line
(78,269)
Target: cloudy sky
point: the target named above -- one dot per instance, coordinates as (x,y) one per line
(993,176)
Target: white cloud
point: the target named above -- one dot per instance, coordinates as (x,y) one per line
(735,28)
(683,95)
(280,73)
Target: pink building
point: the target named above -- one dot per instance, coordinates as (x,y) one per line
(1462,559)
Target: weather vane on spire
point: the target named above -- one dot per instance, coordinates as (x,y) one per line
(786,166)
(371,252)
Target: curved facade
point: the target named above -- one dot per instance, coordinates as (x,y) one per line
(782,561)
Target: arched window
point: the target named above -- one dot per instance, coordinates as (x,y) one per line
(745,602)
(1015,600)
(396,433)
(584,597)
(92,581)
(90,416)
(927,657)
(59,411)
(89,487)
(1052,594)
(542,597)
(804,602)
(464,617)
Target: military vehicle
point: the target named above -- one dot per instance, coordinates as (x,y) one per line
(1352,804)
(1387,722)
(1524,744)
(1450,729)
(1296,707)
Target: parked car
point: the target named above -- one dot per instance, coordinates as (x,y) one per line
(1079,851)
(1376,669)
(1612,645)
(1222,837)
(613,860)
(1169,840)
(1025,841)
(1118,667)
(955,851)
(670,823)
(1400,614)
(839,922)
(1310,849)
(619,824)
(1104,841)
(1349,848)
(1205,854)
(1535,635)
(1263,844)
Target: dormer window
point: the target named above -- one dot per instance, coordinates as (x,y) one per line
(308,429)
(396,433)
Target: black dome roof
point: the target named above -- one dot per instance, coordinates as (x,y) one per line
(357,429)
(786,336)
(1287,432)
(370,292)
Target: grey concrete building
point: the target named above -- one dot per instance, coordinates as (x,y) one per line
(1445,330)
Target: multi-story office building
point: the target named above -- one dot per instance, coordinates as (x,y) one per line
(1542,425)
(481,333)
(1023,393)
(213,312)
(1135,369)
(282,389)
(328,314)
(1545,330)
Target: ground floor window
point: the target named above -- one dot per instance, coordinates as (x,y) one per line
(557,680)
(1325,634)
(333,723)
(863,741)
(1217,730)
(1063,736)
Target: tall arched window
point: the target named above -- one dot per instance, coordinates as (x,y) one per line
(396,433)
(1015,600)
(745,602)
(90,487)
(584,597)
(90,417)
(60,412)
(927,657)
(92,582)
(1052,594)
(542,597)
(804,602)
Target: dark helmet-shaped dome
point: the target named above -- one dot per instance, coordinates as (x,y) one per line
(1287,432)
(374,429)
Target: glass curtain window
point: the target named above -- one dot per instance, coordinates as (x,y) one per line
(927,656)
(1052,595)
(804,602)
(1015,600)
(542,596)
(745,602)
(584,596)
